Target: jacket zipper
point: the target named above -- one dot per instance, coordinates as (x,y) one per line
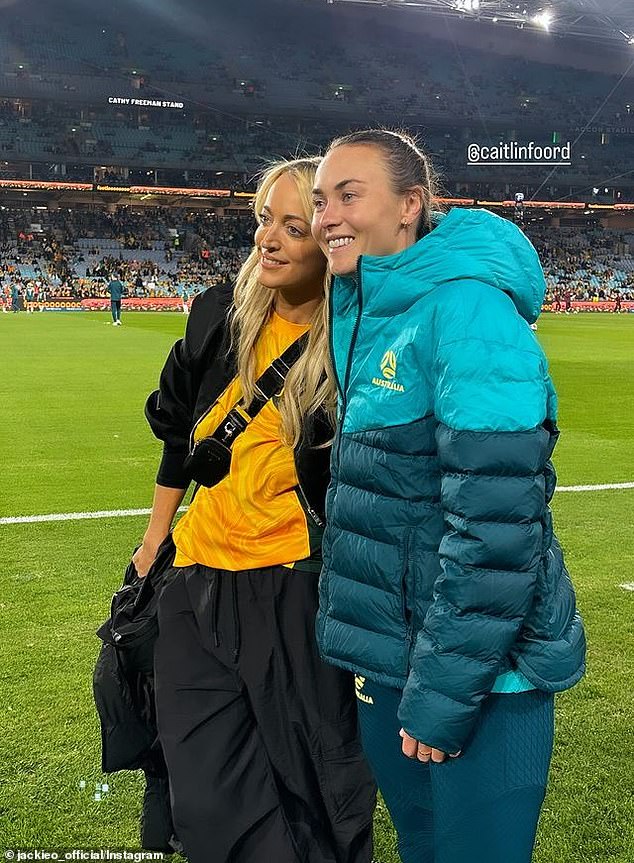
(353,341)
(311,512)
(409,624)
(196,424)
(331,315)
(344,393)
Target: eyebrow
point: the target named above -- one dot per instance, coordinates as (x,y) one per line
(340,185)
(289,217)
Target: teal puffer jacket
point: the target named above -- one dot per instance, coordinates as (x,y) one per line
(441,570)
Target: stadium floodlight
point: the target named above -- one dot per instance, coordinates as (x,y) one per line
(544,19)
(573,19)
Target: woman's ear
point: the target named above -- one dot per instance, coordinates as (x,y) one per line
(413,203)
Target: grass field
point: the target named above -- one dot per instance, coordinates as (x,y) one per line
(73,438)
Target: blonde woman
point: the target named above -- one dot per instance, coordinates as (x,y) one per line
(259,736)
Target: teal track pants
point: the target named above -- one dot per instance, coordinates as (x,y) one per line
(482,807)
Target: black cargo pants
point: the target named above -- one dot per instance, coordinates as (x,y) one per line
(260,736)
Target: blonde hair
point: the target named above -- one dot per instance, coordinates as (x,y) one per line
(310,384)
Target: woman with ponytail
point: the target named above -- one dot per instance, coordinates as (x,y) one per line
(259,736)
(444,586)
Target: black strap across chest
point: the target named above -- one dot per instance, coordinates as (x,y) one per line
(268,385)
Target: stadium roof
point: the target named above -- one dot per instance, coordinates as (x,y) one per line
(596,20)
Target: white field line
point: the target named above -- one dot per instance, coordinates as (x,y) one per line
(608,486)
(123,513)
(77,516)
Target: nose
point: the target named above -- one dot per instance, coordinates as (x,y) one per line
(268,238)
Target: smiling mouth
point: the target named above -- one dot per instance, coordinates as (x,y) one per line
(271,262)
(339,243)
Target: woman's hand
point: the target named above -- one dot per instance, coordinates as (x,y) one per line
(412,748)
(164,508)
(144,557)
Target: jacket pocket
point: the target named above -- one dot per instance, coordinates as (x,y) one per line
(563,605)
(539,622)
(408,586)
(550,480)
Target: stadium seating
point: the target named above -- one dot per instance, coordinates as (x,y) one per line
(78,249)
(236,84)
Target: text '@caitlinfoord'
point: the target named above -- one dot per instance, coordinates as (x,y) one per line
(514,153)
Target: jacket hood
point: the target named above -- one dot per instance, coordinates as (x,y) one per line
(463,245)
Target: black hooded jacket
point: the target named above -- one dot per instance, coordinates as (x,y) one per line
(198,369)
(123,688)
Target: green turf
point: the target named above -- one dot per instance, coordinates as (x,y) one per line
(592,360)
(75,393)
(73,438)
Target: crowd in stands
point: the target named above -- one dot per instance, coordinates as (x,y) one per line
(76,252)
(588,264)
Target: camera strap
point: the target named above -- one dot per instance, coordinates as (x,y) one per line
(268,385)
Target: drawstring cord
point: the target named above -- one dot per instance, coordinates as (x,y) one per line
(213,596)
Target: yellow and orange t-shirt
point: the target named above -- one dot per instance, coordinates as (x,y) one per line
(252,518)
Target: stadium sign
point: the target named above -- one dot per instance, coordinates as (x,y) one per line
(45,185)
(161,190)
(144,103)
(99,187)
(610,130)
(139,304)
(58,304)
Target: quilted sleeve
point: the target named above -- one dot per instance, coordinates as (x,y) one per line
(491,403)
